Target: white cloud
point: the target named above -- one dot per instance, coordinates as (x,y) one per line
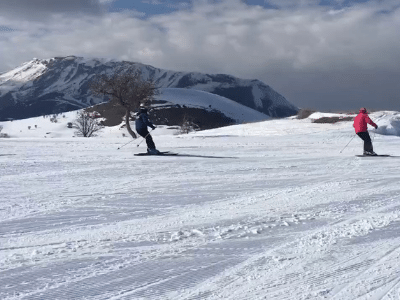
(282,47)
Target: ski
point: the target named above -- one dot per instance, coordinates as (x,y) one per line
(163,153)
(378,155)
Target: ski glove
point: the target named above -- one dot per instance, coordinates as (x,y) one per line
(376,127)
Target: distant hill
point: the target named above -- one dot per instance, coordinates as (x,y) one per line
(42,87)
(174,105)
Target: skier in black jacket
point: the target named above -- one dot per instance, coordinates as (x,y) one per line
(141,123)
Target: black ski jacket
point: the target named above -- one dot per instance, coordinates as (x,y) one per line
(142,121)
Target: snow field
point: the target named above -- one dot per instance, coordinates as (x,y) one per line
(267,210)
(196,98)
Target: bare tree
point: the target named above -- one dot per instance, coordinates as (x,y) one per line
(86,125)
(188,125)
(3,135)
(128,90)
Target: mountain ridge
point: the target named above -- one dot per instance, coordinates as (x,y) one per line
(61,84)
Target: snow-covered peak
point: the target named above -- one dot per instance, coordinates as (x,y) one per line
(62,84)
(27,71)
(24,74)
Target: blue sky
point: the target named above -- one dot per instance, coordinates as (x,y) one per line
(149,8)
(336,54)
(155,7)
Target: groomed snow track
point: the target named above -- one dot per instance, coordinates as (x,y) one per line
(282,216)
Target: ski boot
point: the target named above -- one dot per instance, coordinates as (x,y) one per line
(370,153)
(153,151)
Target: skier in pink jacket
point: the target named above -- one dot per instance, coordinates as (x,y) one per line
(360,125)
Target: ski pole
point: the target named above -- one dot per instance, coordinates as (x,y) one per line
(347,144)
(125,144)
(144,138)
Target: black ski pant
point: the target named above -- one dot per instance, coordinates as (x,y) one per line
(367,141)
(149,140)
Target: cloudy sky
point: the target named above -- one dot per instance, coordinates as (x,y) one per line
(323,54)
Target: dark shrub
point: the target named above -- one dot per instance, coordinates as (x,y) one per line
(305,113)
(332,120)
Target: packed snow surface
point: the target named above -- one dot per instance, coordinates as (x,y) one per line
(268,210)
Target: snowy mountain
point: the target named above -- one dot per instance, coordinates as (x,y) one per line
(173,106)
(61,84)
(200,99)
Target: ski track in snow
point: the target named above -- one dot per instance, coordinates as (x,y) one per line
(288,217)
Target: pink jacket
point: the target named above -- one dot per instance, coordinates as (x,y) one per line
(360,122)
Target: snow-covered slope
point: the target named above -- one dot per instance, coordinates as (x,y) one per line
(60,84)
(40,127)
(201,99)
(388,122)
(43,127)
(267,210)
